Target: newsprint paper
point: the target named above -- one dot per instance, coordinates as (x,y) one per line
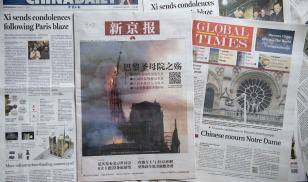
(269,10)
(302,111)
(37,92)
(248,115)
(134,96)
(299,151)
(118,5)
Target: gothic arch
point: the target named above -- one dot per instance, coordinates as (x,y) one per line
(214,82)
(258,75)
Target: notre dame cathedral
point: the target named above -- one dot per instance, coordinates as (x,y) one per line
(143,130)
(235,93)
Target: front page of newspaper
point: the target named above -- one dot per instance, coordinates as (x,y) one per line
(248,115)
(134,96)
(270,10)
(37,91)
(118,5)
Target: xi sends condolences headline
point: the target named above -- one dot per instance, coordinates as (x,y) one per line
(123,108)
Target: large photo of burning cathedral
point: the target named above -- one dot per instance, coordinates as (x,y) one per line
(120,120)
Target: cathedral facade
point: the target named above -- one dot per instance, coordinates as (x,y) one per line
(245,95)
(58,146)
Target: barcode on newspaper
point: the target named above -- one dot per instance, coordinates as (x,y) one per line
(175,78)
(294,170)
(254,169)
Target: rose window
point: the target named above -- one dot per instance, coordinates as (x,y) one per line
(258,94)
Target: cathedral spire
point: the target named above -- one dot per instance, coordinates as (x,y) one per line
(115,102)
(175,145)
(118,62)
(175,128)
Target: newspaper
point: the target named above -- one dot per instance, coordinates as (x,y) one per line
(37,90)
(240,9)
(206,7)
(299,11)
(1,92)
(134,96)
(118,5)
(299,162)
(271,10)
(299,15)
(302,106)
(297,171)
(248,115)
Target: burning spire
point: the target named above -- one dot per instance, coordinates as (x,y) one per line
(115,102)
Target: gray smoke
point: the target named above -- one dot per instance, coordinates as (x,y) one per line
(98,130)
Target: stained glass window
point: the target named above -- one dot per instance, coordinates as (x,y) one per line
(258,94)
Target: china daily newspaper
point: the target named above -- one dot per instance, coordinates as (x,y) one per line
(37,94)
(118,5)
(134,96)
(248,114)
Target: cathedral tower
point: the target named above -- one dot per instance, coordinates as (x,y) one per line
(175,145)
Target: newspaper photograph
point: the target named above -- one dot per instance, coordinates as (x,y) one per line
(71,4)
(266,10)
(37,90)
(297,170)
(248,114)
(134,96)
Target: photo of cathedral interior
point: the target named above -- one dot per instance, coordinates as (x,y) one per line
(238,94)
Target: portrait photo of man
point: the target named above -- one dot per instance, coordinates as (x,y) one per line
(278,12)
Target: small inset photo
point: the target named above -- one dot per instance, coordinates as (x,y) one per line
(11,135)
(29,135)
(38,50)
(266,10)
(126,2)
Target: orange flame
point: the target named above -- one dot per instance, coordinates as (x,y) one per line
(110,78)
(117,140)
